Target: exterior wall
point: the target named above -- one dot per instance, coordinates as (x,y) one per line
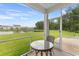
(6,27)
(17,26)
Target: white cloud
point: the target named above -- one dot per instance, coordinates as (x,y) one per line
(3,17)
(33,13)
(13,10)
(19,14)
(16,13)
(12,13)
(24,18)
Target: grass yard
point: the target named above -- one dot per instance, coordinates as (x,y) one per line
(64,33)
(18,47)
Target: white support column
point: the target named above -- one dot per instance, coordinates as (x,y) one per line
(60,32)
(46,25)
(46,29)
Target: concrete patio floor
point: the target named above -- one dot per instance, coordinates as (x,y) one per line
(70,45)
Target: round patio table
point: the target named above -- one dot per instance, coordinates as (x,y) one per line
(38,46)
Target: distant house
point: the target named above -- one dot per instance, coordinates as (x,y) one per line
(16,26)
(7,27)
(1,27)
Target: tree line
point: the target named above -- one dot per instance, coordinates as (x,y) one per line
(70,21)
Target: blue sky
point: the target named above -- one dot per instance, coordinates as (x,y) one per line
(17,14)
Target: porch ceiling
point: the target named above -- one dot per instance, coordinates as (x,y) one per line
(47,7)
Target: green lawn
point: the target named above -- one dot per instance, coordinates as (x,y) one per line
(64,33)
(18,47)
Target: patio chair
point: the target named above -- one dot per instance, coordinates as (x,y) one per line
(51,39)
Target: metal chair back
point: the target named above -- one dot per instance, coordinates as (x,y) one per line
(51,39)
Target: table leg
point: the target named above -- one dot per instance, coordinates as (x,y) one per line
(46,53)
(36,52)
(41,53)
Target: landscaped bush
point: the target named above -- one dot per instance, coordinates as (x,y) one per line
(38,30)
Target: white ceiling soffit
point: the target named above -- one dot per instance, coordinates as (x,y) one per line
(47,7)
(36,6)
(57,6)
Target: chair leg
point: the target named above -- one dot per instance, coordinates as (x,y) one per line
(53,51)
(26,55)
(50,52)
